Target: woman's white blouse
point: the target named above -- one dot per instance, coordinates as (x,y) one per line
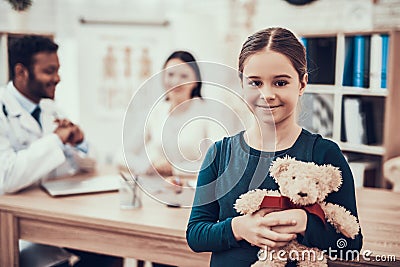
(179,137)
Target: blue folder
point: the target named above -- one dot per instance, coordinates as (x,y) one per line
(358,71)
(385,52)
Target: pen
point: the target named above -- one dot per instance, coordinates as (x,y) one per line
(173,205)
(132,181)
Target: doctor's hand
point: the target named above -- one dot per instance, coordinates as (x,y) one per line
(63,133)
(69,132)
(256,229)
(76,136)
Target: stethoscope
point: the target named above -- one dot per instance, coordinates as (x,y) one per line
(5,111)
(18,139)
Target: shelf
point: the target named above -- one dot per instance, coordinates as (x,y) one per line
(374,108)
(320,89)
(23,33)
(365,149)
(347,33)
(346,90)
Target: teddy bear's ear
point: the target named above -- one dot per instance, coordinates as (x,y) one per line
(334,177)
(280,165)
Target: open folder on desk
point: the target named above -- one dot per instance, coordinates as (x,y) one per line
(75,185)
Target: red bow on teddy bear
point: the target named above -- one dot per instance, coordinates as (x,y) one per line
(282,202)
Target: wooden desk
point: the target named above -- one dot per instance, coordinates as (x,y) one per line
(96,223)
(379,215)
(155,232)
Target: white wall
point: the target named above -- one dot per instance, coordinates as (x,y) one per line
(212,30)
(318,17)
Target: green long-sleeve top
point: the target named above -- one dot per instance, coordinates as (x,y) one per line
(231,168)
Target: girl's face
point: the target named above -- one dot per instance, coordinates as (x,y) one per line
(272,87)
(179,79)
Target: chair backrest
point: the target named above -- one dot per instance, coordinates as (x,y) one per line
(37,255)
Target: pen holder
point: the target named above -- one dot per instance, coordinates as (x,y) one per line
(130,194)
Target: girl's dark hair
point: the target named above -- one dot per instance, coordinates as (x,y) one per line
(191,61)
(279,40)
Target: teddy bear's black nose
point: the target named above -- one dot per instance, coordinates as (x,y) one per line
(302,194)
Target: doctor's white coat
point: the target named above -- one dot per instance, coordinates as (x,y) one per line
(28,153)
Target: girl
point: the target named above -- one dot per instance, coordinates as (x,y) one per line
(273,74)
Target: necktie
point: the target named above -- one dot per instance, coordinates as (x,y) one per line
(36,115)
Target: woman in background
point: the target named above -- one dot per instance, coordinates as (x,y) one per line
(178,126)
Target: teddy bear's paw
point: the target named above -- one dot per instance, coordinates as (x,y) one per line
(343,221)
(307,256)
(322,263)
(316,259)
(267,263)
(278,263)
(258,264)
(269,259)
(250,202)
(351,230)
(262,263)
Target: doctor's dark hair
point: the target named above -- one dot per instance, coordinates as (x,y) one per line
(279,40)
(189,59)
(22,50)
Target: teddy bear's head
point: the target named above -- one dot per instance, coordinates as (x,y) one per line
(305,182)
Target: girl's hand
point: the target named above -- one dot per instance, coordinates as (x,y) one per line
(298,215)
(256,229)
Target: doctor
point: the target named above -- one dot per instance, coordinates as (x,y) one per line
(32,149)
(35,141)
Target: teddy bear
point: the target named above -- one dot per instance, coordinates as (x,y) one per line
(301,185)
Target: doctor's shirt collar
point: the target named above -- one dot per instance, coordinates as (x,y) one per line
(25,103)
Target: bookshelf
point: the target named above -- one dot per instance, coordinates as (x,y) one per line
(5,38)
(345,101)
